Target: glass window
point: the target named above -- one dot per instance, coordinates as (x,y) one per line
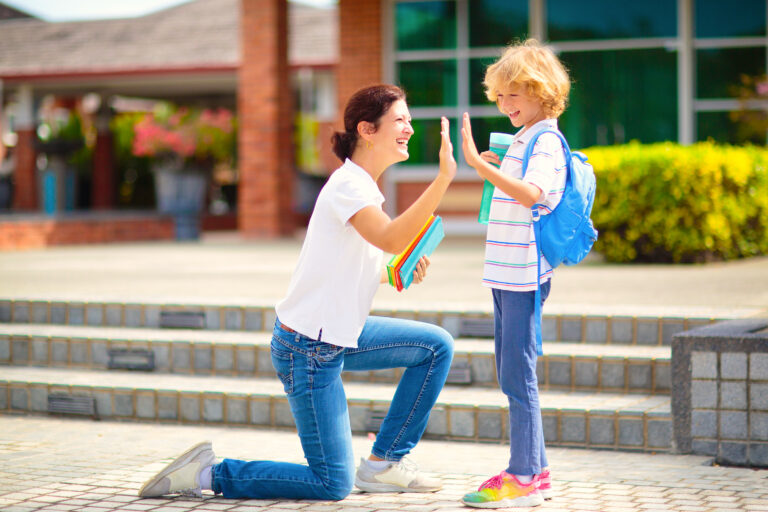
(609,19)
(497,22)
(477,69)
(483,126)
(429,83)
(720,127)
(424,145)
(742,18)
(425,25)
(718,71)
(619,96)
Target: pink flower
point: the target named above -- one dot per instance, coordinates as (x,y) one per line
(205,135)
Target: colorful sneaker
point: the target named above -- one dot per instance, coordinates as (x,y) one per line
(503,491)
(544,484)
(400,476)
(180,476)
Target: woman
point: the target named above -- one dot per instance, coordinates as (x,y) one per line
(323,327)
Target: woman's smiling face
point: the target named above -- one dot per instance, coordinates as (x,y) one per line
(391,138)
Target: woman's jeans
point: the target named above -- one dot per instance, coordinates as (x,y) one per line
(515,338)
(310,371)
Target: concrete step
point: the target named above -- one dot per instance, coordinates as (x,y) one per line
(577,419)
(608,329)
(564,366)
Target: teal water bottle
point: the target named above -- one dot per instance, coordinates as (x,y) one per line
(499,143)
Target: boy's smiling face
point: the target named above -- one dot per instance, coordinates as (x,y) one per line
(521,108)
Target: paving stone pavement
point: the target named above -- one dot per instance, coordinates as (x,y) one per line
(63,464)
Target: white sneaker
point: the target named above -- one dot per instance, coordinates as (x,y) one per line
(401,476)
(180,476)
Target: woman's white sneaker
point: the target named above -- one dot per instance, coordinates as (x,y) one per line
(180,476)
(400,476)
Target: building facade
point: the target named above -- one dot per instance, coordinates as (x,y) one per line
(659,70)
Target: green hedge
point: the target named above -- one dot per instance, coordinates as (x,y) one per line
(670,203)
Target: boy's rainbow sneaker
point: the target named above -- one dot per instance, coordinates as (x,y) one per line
(503,491)
(544,483)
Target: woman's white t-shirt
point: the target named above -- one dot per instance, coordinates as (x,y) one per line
(338,271)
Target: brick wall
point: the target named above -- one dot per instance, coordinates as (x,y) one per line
(34,233)
(462,198)
(266,118)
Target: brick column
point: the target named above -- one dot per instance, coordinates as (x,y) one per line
(265,191)
(25,175)
(360,53)
(360,56)
(103,184)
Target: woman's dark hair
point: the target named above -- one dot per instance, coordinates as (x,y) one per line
(367,104)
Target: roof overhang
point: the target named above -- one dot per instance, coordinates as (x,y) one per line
(158,83)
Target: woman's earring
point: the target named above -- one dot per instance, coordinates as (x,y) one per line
(368,144)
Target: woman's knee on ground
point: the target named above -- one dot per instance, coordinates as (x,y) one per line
(338,490)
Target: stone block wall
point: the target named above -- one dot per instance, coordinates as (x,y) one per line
(720,392)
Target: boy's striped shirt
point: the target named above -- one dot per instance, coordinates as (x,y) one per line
(510,247)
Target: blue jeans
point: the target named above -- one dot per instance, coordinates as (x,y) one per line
(310,371)
(515,349)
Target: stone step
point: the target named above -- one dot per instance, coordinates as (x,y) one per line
(564,366)
(577,419)
(608,329)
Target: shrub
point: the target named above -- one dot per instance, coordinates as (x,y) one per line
(670,203)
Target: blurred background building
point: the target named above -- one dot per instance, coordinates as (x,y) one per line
(659,70)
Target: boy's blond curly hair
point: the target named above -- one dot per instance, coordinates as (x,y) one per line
(537,68)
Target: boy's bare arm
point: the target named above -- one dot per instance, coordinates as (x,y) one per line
(526,193)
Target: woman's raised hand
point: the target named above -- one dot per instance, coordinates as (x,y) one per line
(447,162)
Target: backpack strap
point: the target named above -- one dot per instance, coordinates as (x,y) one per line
(537,228)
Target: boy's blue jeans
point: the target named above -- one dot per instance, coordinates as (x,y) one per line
(515,349)
(310,371)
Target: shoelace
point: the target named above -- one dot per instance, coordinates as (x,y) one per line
(407,465)
(495,482)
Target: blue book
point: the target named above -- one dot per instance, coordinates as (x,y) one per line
(428,243)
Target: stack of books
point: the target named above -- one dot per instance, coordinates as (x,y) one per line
(400,268)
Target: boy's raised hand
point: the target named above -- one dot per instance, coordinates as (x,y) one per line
(447,162)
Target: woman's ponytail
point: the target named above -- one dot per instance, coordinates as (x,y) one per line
(343,144)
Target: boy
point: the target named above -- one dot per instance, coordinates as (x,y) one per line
(530,86)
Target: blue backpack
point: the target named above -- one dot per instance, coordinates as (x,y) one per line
(567,234)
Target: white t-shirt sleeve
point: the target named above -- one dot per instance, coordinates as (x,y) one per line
(350,197)
(544,166)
